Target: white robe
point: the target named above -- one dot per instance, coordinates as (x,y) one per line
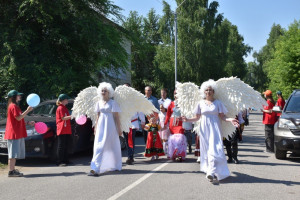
(107,150)
(213,160)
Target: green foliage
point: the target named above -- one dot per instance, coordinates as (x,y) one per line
(208,46)
(284,67)
(258,74)
(52,47)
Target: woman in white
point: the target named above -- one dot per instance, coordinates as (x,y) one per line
(213,161)
(107,151)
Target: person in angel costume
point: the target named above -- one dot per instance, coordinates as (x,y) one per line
(154,147)
(177,141)
(107,150)
(109,121)
(208,113)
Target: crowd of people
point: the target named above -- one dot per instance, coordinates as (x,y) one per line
(165,133)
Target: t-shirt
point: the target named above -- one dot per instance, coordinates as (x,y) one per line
(281,103)
(269,118)
(14,129)
(62,126)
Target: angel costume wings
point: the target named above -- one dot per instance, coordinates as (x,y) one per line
(129,100)
(232,92)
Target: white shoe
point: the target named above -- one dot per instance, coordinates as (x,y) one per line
(198,160)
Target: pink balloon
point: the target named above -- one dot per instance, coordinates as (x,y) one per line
(40,127)
(81,119)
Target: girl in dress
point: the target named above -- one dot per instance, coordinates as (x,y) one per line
(107,150)
(154,146)
(212,111)
(164,133)
(177,141)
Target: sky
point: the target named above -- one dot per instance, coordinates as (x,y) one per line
(254,18)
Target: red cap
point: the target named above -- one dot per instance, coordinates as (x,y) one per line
(268,93)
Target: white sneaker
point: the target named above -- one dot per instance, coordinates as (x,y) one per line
(198,160)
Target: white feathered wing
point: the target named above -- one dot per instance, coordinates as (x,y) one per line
(85,102)
(188,96)
(236,95)
(130,102)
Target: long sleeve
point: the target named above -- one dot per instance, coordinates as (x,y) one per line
(169,113)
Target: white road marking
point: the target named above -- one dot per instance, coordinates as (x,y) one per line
(137,182)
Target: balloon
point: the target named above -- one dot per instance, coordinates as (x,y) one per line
(81,119)
(33,100)
(41,127)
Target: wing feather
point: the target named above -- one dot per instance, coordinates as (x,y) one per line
(130,102)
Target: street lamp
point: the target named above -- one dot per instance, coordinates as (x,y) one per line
(175,22)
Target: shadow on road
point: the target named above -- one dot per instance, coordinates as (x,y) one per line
(65,174)
(246,178)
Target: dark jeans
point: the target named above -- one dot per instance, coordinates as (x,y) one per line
(189,137)
(145,134)
(269,137)
(231,145)
(62,148)
(130,151)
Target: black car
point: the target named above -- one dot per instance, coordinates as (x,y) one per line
(45,145)
(287,129)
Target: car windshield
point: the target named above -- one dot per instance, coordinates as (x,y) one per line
(48,109)
(293,105)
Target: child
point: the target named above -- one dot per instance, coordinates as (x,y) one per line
(64,132)
(164,134)
(154,146)
(15,131)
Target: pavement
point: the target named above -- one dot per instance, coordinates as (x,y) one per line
(258,176)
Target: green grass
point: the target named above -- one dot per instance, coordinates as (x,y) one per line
(2,166)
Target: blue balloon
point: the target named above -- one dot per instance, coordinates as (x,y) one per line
(33,100)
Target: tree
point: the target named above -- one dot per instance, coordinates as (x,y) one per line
(266,54)
(144,35)
(52,47)
(284,66)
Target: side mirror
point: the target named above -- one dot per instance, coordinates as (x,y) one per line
(277,109)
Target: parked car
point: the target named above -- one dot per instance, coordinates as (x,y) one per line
(287,129)
(45,145)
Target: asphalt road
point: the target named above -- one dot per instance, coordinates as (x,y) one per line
(259,176)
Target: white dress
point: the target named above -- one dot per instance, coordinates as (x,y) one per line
(107,150)
(213,160)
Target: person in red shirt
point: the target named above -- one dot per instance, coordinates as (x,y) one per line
(177,142)
(63,130)
(15,131)
(269,119)
(280,102)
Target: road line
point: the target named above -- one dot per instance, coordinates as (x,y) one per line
(137,182)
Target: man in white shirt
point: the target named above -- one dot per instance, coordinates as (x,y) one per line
(163,94)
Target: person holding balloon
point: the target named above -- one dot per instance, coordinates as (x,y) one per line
(63,125)
(15,131)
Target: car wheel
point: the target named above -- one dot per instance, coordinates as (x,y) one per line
(122,142)
(279,154)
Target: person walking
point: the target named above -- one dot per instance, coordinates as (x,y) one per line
(154,101)
(107,154)
(211,110)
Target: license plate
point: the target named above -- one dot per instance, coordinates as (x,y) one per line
(3,144)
